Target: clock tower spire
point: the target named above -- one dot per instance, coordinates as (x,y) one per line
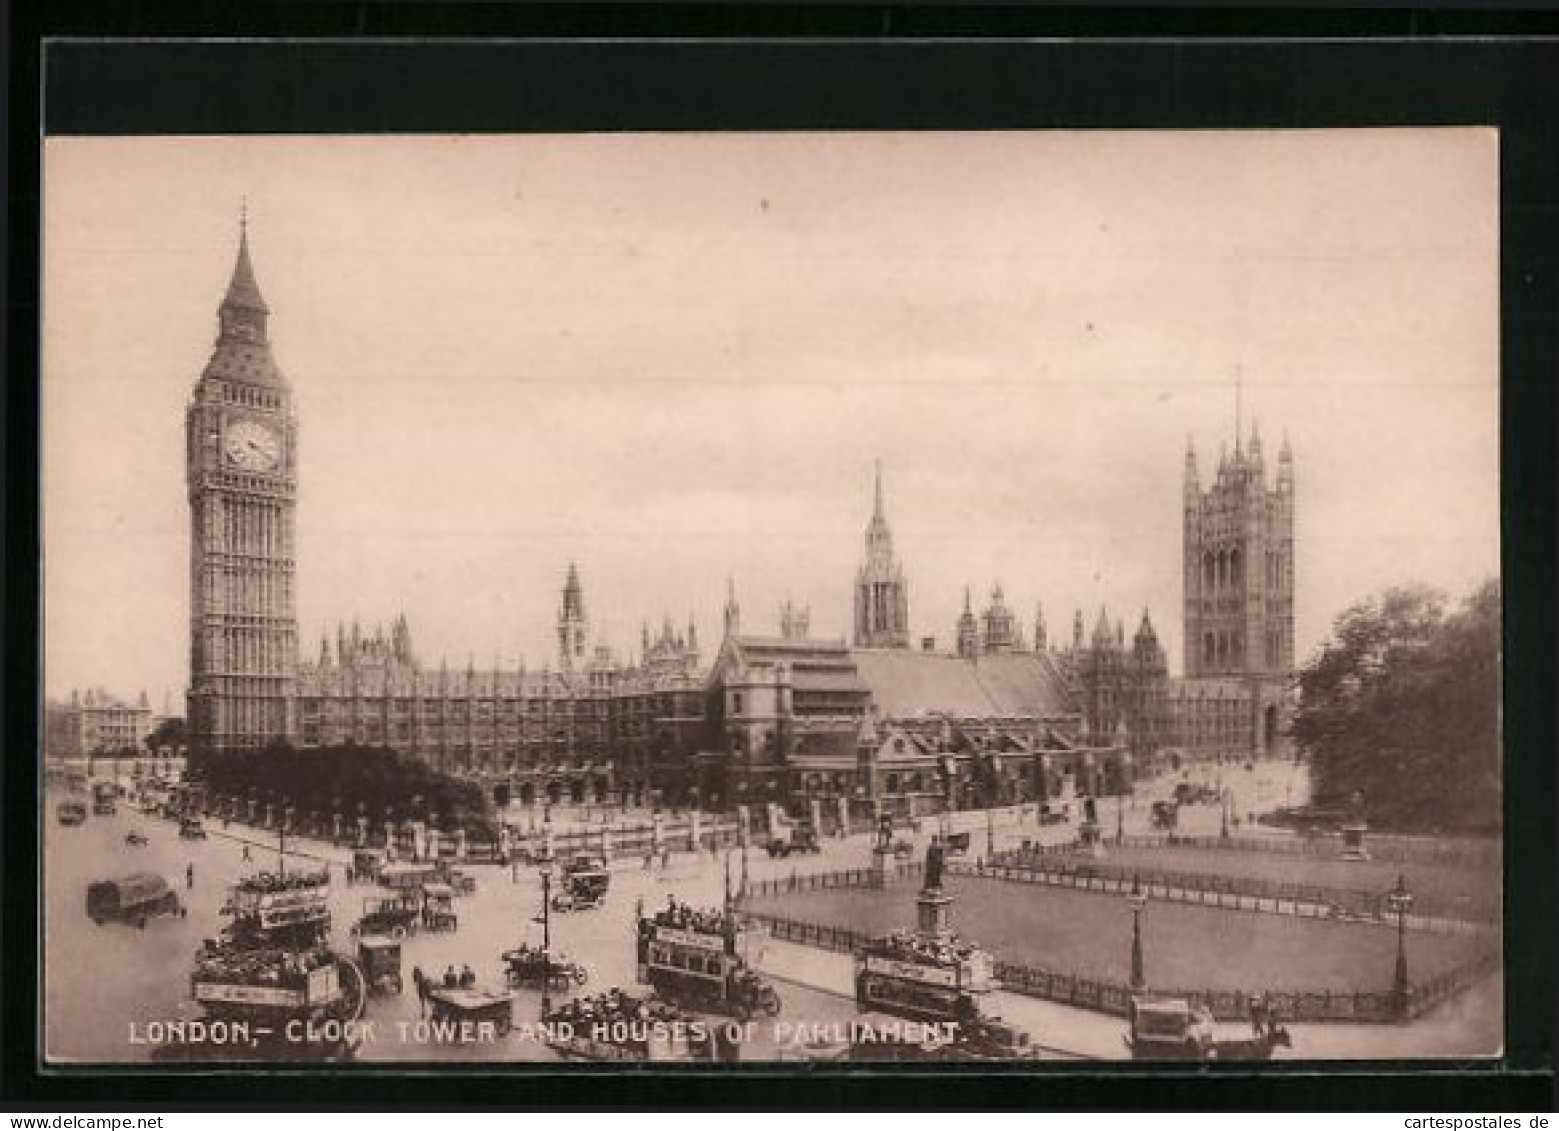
(241,475)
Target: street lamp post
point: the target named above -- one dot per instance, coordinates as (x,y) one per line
(546,942)
(1139,903)
(1401,902)
(1120,800)
(990,835)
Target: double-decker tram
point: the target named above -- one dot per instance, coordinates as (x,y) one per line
(926,979)
(691,958)
(272,975)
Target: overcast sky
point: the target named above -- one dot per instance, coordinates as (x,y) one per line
(674,359)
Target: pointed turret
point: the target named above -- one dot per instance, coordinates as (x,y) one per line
(1040,642)
(1193,485)
(733,609)
(967,632)
(242,316)
(1077,630)
(1285,467)
(1101,629)
(881,594)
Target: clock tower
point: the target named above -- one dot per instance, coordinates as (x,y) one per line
(241,472)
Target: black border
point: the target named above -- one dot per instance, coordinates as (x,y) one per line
(840,79)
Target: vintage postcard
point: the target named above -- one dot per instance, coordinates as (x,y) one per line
(801,597)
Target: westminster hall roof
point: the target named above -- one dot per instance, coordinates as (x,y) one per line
(907,684)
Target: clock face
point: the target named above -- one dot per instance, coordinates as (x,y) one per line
(252,446)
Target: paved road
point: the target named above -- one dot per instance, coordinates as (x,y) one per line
(106,986)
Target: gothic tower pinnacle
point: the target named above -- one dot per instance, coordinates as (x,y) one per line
(573,625)
(881,593)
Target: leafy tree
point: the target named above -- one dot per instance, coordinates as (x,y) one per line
(351,780)
(1402,706)
(169,732)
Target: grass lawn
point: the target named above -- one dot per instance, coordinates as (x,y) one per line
(1186,947)
(1440,888)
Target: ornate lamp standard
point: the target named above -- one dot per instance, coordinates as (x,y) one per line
(546,941)
(1120,800)
(990,836)
(1401,902)
(1139,903)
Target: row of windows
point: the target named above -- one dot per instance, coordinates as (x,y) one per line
(250,396)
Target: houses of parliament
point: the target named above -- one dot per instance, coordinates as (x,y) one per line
(781,717)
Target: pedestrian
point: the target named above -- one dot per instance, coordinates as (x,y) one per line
(467,977)
(420,980)
(665,859)
(246,851)
(649,860)
(451,979)
(189,876)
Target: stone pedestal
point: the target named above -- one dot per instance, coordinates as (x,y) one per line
(884,868)
(1088,835)
(934,913)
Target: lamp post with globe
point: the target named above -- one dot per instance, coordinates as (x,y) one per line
(546,941)
(1401,902)
(1139,903)
(1120,799)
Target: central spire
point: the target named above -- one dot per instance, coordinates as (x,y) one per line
(243,293)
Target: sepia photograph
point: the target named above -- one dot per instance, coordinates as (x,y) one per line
(738,598)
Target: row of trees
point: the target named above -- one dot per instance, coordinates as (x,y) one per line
(354,781)
(1400,711)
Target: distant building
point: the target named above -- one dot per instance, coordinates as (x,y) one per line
(94,722)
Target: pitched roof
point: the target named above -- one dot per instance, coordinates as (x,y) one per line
(905,684)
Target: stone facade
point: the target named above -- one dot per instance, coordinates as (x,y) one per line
(95,722)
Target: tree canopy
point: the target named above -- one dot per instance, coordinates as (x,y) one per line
(1401,706)
(351,780)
